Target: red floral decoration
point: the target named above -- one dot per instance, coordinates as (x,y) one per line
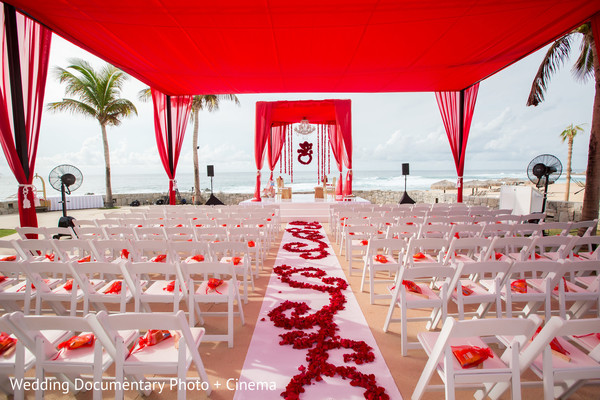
(323,329)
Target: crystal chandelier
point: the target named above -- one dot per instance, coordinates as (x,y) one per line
(304,128)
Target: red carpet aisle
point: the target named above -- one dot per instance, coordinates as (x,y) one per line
(327,350)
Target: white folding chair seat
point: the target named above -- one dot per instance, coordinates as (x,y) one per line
(436,299)
(225,252)
(156,290)
(541,278)
(171,356)
(382,255)
(582,298)
(498,368)
(252,237)
(199,292)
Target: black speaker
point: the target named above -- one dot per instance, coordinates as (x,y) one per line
(405,169)
(210,170)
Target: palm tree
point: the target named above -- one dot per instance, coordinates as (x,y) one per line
(209,102)
(585,68)
(569,134)
(96,95)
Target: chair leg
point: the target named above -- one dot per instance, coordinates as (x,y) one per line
(230,322)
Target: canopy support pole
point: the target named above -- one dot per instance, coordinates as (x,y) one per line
(461,130)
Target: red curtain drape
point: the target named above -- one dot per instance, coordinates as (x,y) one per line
(21,101)
(275,143)
(261,136)
(457,121)
(335,140)
(171,116)
(343,118)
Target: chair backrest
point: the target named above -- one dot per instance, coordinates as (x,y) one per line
(528,229)
(119,232)
(472,247)
(392,247)
(33,249)
(110,250)
(507,245)
(563,227)
(147,249)
(435,247)
(107,222)
(150,233)
(182,250)
(27,232)
(58,232)
(495,270)
(460,231)
(589,244)
(230,249)
(589,226)
(74,249)
(211,233)
(544,244)
(553,270)
(83,272)
(90,232)
(180,233)
(38,271)
(402,231)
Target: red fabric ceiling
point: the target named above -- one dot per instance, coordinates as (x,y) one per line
(256,46)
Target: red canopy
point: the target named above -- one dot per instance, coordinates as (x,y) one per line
(255,46)
(334,114)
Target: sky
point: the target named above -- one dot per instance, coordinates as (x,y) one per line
(388,128)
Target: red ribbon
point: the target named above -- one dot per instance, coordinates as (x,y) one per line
(85,259)
(236,260)
(381,258)
(114,288)
(6,343)
(9,258)
(160,258)
(519,286)
(152,337)
(412,287)
(213,284)
(251,243)
(197,257)
(125,253)
(419,256)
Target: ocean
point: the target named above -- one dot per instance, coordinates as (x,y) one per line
(243,182)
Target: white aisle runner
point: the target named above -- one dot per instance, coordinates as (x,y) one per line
(269,366)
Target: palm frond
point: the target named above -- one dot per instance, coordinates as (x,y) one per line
(145,94)
(583,69)
(73,106)
(554,59)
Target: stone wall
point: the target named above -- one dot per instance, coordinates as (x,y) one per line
(556,210)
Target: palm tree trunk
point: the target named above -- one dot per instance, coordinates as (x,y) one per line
(569,155)
(591,198)
(197,194)
(109,200)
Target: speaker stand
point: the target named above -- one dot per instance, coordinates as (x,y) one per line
(212,200)
(405,197)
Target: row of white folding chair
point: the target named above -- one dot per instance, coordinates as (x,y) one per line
(40,344)
(128,285)
(43,232)
(137,250)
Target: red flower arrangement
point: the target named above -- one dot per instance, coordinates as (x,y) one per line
(323,338)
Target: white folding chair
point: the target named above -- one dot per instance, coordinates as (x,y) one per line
(582,298)
(549,248)
(405,232)
(119,232)
(425,251)
(89,232)
(497,368)
(99,292)
(539,278)
(14,362)
(15,288)
(383,255)
(235,253)
(528,230)
(492,230)
(204,292)
(465,250)
(561,375)
(460,231)
(66,364)
(585,248)
(587,227)
(30,232)
(180,233)
(52,291)
(186,251)
(162,290)
(150,233)
(563,227)
(151,250)
(211,234)
(357,239)
(35,249)
(74,250)
(503,248)
(173,355)
(423,296)
(252,237)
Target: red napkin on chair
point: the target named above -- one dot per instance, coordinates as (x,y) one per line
(364,242)
(160,258)
(381,258)
(471,356)
(251,243)
(150,338)
(412,287)
(418,256)
(125,253)
(75,342)
(236,260)
(213,284)
(85,259)
(170,287)
(69,285)
(519,286)
(50,257)
(7,344)
(9,258)
(466,291)
(198,258)
(114,288)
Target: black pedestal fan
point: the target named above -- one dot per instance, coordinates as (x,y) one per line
(66,179)
(544,170)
